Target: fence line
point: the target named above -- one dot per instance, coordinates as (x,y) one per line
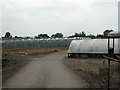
(40,43)
(36,43)
(113,72)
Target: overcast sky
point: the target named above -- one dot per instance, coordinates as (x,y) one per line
(32,17)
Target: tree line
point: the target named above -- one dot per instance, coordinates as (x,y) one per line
(83,34)
(8,35)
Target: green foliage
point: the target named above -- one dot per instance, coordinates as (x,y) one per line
(42,36)
(81,34)
(27,37)
(4,54)
(16,37)
(57,35)
(76,35)
(106,32)
(60,35)
(100,36)
(8,35)
(71,36)
(90,35)
(103,72)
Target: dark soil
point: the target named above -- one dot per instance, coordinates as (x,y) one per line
(94,71)
(16,58)
(12,64)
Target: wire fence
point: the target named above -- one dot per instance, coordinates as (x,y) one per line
(36,43)
(113,72)
(40,43)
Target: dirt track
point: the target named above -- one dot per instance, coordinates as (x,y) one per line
(46,72)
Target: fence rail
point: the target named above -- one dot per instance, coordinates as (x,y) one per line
(40,43)
(36,43)
(113,72)
(112,59)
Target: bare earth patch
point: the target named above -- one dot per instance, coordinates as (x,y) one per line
(94,71)
(30,51)
(16,58)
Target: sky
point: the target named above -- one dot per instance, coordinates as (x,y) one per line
(33,17)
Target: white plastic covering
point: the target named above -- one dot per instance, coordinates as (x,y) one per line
(114,34)
(98,46)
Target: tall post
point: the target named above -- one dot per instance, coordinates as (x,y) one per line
(108,63)
(113,45)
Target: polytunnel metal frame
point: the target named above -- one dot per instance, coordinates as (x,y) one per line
(90,48)
(111,56)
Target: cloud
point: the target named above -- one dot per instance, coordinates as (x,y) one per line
(30,17)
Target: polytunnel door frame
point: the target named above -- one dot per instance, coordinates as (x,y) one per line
(110,54)
(111,57)
(111,48)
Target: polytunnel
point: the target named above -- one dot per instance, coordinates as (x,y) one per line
(91,47)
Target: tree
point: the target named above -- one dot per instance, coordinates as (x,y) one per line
(106,32)
(44,36)
(26,37)
(76,35)
(100,35)
(57,35)
(8,35)
(20,37)
(83,34)
(40,35)
(16,37)
(90,35)
(71,36)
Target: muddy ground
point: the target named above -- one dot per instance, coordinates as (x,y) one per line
(93,70)
(15,59)
(47,71)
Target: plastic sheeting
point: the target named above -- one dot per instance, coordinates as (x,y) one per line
(37,43)
(98,46)
(114,34)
